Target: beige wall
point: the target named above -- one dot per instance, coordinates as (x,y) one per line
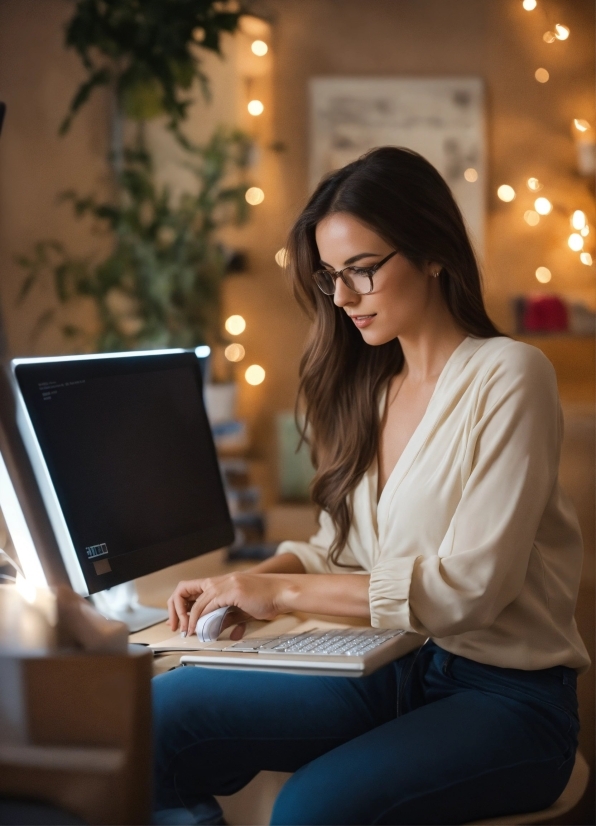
(528,131)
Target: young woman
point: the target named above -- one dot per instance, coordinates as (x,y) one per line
(436,442)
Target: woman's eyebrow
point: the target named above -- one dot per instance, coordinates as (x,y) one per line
(355,258)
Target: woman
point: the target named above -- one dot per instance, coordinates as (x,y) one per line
(436,442)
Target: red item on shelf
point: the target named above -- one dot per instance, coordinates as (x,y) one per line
(545,314)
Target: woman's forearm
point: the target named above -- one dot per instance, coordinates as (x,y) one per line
(343,595)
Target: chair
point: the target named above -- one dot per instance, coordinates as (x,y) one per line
(254,803)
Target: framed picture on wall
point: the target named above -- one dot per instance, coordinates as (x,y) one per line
(442,118)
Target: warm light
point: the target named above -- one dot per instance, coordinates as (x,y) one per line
(506,192)
(259,47)
(581,125)
(532,218)
(543,274)
(471,175)
(234,352)
(584,231)
(255,107)
(543,206)
(586,259)
(529,5)
(549,37)
(255,374)
(534,184)
(541,75)
(235,325)
(575,241)
(26,589)
(254,195)
(561,32)
(281,257)
(578,219)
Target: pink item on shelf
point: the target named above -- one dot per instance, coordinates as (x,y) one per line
(545,314)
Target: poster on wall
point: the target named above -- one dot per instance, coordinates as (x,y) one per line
(442,118)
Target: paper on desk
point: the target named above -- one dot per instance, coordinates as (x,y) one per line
(286,624)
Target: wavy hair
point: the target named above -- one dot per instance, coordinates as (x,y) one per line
(401,197)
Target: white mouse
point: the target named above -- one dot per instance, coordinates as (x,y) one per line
(210,625)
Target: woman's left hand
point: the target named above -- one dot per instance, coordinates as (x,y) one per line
(255,594)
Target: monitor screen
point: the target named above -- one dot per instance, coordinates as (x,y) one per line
(129,454)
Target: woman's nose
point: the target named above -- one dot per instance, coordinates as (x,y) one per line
(343,295)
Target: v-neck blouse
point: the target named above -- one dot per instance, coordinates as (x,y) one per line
(473,543)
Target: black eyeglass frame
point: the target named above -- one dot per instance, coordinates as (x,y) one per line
(369,272)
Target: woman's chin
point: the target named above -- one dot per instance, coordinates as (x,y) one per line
(377,337)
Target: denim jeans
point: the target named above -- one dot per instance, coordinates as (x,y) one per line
(430,738)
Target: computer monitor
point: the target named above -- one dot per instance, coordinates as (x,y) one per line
(122,451)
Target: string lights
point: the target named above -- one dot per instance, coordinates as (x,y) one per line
(235,325)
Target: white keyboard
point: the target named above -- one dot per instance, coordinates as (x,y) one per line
(341,642)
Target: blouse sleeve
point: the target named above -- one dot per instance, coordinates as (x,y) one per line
(510,469)
(314,553)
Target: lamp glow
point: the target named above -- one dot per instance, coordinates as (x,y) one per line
(541,75)
(581,125)
(578,219)
(254,196)
(561,32)
(529,5)
(575,242)
(586,259)
(255,107)
(534,184)
(543,206)
(531,217)
(506,192)
(259,47)
(234,352)
(543,274)
(235,325)
(281,257)
(255,374)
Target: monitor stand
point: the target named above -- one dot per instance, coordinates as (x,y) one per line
(122,603)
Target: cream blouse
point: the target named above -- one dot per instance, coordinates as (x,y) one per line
(472,542)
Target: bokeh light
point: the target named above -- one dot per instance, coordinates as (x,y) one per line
(255,374)
(506,192)
(561,32)
(581,125)
(541,75)
(586,259)
(255,107)
(531,217)
(534,184)
(575,242)
(254,195)
(543,206)
(529,5)
(543,274)
(259,47)
(234,352)
(235,325)
(578,219)
(471,175)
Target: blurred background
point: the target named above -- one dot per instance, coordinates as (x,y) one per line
(153,159)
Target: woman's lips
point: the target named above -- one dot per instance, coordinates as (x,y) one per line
(363,320)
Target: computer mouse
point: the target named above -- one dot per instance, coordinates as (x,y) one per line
(210,625)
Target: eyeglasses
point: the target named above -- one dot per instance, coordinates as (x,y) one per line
(357,279)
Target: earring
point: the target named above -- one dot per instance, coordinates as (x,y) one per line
(436,274)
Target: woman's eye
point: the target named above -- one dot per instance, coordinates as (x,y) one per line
(362,271)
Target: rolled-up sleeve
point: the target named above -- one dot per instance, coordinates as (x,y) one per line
(509,473)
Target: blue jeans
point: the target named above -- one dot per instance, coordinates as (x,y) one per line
(430,738)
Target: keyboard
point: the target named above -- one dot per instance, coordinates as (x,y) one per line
(347,642)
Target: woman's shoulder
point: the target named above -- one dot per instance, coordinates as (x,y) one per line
(513,357)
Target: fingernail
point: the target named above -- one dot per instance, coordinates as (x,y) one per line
(183,633)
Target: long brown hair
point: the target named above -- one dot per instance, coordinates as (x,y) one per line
(401,197)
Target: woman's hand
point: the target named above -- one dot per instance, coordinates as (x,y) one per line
(254,594)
